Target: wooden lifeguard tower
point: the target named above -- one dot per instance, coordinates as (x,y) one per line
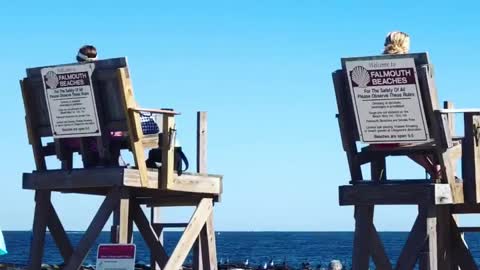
(82,106)
(388,106)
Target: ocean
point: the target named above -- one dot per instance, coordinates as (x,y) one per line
(235,247)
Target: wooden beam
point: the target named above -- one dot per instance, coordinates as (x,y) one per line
(362,237)
(33,137)
(461,255)
(379,256)
(448,105)
(76,178)
(94,229)
(125,227)
(208,243)
(167,145)
(187,182)
(157,111)
(59,235)
(109,177)
(202,133)
(197,263)
(199,217)
(196,183)
(395,194)
(156,249)
(42,202)
(432,237)
(134,124)
(347,125)
(466,208)
(155,218)
(414,244)
(444,235)
(471,158)
(172,225)
(469,229)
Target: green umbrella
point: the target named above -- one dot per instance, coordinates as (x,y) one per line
(3,248)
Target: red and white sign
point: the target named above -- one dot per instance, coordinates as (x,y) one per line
(116,256)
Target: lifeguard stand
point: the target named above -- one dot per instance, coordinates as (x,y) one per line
(83,106)
(388,106)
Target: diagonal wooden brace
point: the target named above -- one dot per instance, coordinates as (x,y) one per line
(197,222)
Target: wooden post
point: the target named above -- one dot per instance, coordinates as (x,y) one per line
(362,240)
(206,240)
(201,168)
(42,203)
(155,219)
(471,158)
(444,237)
(167,145)
(114,229)
(125,228)
(209,251)
(202,133)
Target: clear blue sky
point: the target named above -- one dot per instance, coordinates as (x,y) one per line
(262,69)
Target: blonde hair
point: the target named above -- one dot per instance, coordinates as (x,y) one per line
(396,43)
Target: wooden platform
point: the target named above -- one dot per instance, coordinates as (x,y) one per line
(94,181)
(399,193)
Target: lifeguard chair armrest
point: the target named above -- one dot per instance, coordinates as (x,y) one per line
(446,111)
(157,111)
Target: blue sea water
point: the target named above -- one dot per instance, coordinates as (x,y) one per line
(258,247)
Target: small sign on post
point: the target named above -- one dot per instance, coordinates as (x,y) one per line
(71,101)
(387,100)
(116,256)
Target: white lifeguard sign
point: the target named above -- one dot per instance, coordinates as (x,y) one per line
(387,101)
(71,101)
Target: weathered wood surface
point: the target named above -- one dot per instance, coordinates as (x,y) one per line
(395,194)
(111,201)
(471,158)
(208,245)
(197,222)
(157,111)
(362,237)
(166,176)
(42,204)
(379,255)
(33,136)
(202,140)
(134,124)
(347,125)
(59,235)
(156,218)
(461,255)
(414,244)
(466,208)
(149,235)
(108,177)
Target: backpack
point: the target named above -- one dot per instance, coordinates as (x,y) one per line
(179,158)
